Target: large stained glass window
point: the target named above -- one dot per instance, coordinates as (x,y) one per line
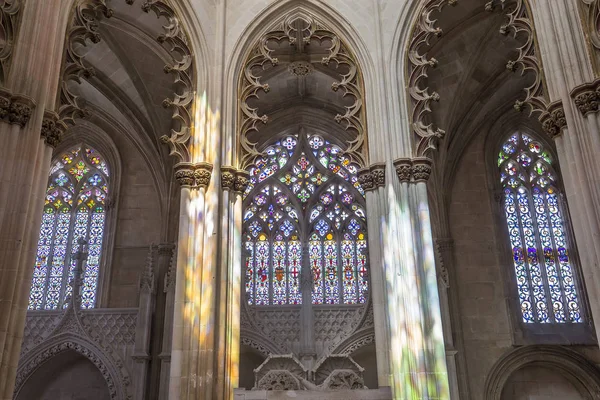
(75,208)
(304,214)
(545,276)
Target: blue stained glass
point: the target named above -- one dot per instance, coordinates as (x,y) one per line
(545,279)
(322,227)
(287,228)
(63,225)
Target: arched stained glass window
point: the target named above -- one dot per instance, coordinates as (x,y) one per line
(304,213)
(544,270)
(75,208)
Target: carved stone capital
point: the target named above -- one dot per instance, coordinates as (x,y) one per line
(52,129)
(15,109)
(365,178)
(378,174)
(184,173)
(403,169)
(587,97)
(241,181)
(202,174)
(554,120)
(421,168)
(228,177)
(192,175)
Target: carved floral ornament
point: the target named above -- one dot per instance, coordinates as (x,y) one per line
(591,22)
(9,21)
(587,97)
(194,175)
(551,115)
(234,179)
(84,28)
(373,177)
(15,109)
(415,170)
(262,57)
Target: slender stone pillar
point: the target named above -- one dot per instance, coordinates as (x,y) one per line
(567,66)
(165,262)
(28,133)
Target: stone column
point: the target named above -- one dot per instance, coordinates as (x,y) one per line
(376,204)
(28,131)
(165,263)
(417,355)
(567,66)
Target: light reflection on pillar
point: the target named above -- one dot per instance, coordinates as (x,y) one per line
(417,367)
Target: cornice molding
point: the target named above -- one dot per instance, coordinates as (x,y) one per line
(15,109)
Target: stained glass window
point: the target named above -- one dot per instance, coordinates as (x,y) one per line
(546,282)
(75,208)
(304,214)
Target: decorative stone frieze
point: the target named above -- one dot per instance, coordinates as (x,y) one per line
(52,129)
(587,97)
(554,120)
(192,175)
(15,109)
(300,68)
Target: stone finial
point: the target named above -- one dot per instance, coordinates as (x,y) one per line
(587,97)
(403,169)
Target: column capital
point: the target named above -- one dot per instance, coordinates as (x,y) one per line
(417,169)
(373,177)
(587,97)
(52,128)
(16,109)
(554,120)
(241,180)
(194,175)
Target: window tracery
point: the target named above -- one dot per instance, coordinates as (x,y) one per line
(75,208)
(304,209)
(546,282)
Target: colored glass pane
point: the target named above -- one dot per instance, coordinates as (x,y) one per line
(546,284)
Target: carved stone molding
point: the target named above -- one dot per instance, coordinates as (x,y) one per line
(9,21)
(591,22)
(443,248)
(554,120)
(52,129)
(228,177)
(176,41)
(373,177)
(519,22)
(147,280)
(338,54)
(426,135)
(14,108)
(242,179)
(415,170)
(82,29)
(194,175)
(587,97)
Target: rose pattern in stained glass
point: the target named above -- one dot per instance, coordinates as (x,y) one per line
(305,187)
(546,284)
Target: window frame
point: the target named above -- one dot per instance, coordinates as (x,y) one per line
(534,333)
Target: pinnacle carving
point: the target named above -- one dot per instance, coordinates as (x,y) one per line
(195,176)
(587,97)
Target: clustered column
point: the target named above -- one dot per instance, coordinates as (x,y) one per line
(575,131)
(29,131)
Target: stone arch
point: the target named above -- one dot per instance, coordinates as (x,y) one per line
(115,375)
(579,371)
(278,12)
